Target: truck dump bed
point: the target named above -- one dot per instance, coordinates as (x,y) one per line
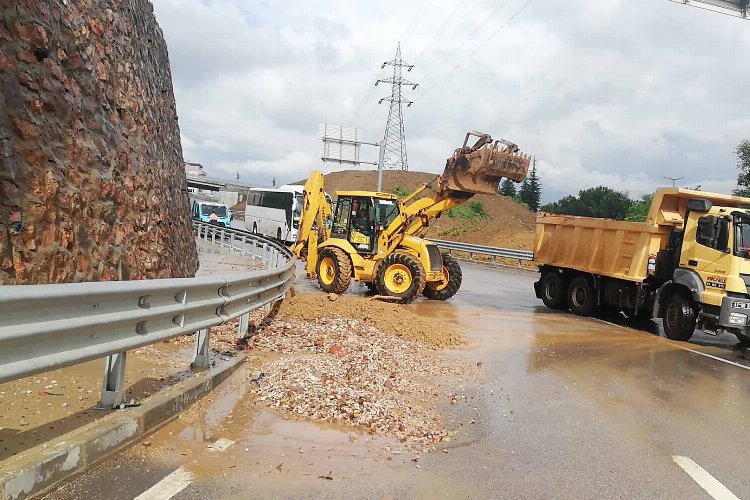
(600,246)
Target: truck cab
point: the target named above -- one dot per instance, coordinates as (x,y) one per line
(714,263)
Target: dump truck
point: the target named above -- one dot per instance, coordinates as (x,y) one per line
(378,239)
(688,263)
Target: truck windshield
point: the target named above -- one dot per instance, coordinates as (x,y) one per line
(742,237)
(219,210)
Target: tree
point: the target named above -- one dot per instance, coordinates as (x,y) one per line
(638,212)
(743,165)
(531,190)
(600,201)
(508,188)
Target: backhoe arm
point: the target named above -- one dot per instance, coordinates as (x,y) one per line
(313,225)
(471,170)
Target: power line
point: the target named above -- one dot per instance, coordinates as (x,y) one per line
(498,30)
(415,20)
(442,27)
(486,20)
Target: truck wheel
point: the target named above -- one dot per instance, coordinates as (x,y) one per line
(679,317)
(334,270)
(444,290)
(553,291)
(401,275)
(581,300)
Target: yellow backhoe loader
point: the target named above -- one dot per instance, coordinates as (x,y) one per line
(377,239)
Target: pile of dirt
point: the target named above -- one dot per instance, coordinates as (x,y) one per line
(343,371)
(394,319)
(507,224)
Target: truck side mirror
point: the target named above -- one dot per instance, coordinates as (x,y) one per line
(699,205)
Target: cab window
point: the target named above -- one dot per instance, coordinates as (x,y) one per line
(341,219)
(713,232)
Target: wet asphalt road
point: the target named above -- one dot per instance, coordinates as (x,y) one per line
(568,408)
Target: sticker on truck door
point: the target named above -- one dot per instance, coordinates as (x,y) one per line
(740,305)
(716,282)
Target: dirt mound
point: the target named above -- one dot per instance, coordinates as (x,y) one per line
(395,319)
(343,371)
(506,224)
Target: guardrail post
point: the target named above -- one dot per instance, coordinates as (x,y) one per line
(243,326)
(114,380)
(200,358)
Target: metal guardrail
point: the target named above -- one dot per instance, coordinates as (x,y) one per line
(44,327)
(494,252)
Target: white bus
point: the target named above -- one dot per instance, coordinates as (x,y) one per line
(275,212)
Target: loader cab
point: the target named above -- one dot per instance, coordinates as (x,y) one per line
(360,216)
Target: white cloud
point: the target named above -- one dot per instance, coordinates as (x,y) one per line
(601,91)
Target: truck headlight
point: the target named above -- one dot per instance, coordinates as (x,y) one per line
(736,318)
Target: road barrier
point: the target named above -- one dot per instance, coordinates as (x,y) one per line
(44,327)
(494,252)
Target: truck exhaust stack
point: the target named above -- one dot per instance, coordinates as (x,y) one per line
(481,167)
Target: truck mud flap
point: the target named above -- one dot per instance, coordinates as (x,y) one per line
(538,289)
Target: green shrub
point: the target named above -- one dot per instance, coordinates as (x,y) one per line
(401,192)
(470,211)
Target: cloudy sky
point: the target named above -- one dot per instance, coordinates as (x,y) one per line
(613,92)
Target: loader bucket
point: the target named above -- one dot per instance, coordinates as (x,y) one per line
(480,168)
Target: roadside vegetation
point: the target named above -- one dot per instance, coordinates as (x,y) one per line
(401,192)
(471,211)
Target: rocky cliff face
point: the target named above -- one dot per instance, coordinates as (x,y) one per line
(92,185)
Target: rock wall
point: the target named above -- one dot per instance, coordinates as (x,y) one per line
(92,183)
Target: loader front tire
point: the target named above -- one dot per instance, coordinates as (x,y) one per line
(444,290)
(401,275)
(334,270)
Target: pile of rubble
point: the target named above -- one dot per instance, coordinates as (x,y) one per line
(345,371)
(396,319)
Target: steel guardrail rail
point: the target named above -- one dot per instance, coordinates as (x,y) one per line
(44,327)
(471,249)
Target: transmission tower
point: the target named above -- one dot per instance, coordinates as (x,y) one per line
(394,141)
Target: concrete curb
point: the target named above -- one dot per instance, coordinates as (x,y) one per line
(36,470)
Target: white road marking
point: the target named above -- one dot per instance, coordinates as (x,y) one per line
(169,486)
(220,445)
(179,479)
(677,344)
(717,358)
(705,480)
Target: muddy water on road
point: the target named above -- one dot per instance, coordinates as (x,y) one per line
(566,407)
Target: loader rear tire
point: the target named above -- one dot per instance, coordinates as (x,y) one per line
(334,270)
(401,275)
(444,290)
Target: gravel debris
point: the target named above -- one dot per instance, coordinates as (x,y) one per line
(396,319)
(348,372)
